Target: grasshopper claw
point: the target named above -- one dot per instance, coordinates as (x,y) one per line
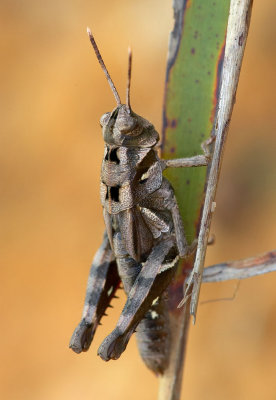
(82,337)
(113,345)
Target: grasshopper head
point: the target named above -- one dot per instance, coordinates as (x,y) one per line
(123,127)
(126,122)
(123,119)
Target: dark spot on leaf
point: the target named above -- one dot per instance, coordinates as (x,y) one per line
(196,35)
(192,50)
(189,120)
(174,123)
(209,73)
(172,149)
(196,81)
(188,181)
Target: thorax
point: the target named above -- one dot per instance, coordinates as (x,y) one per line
(128,174)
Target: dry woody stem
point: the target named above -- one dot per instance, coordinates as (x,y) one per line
(237,30)
(241,269)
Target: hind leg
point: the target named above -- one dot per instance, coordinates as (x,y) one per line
(147,286)
(102,283)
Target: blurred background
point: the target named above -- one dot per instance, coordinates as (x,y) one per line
(53,93)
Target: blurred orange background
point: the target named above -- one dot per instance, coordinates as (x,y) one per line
(53,94)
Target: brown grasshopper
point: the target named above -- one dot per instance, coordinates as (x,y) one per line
(144,236)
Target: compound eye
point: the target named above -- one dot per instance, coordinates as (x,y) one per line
(104,119)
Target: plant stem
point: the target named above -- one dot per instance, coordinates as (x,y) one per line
(237,30)
(241,269)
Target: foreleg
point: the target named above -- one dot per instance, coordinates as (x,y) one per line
(164,199)
(195,161)
(140,298)
(102,283)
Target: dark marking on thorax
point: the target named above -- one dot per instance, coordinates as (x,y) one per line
(112,155)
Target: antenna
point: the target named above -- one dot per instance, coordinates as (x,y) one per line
(128,78)
(99,57)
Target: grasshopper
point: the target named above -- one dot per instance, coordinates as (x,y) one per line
(144,235)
